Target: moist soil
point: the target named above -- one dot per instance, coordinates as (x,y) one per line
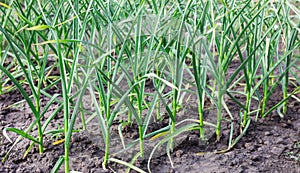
(271,144)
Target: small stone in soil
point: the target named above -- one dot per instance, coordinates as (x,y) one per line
(277,150)
(234,162)
(178,153)
(255,158)
(267,142)
(248,145)
(279,141)
(267,133)
(260,141)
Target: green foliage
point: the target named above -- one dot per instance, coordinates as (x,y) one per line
(110,49)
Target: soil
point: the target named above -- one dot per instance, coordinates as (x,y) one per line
(269,145)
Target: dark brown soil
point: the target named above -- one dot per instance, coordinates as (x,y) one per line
(270,145)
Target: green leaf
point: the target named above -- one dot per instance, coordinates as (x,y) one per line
(56,41)
(38,28)
(5,5)
(126,164)
(57,165)
(20,132)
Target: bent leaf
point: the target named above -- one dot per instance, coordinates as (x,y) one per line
(159,135)
(38,28)
(5,5)
(56,41)
(19,132)
(153,75)
(126,164)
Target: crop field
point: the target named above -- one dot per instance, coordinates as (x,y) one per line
(149,86)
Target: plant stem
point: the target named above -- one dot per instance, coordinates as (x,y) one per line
(140,126)
(174,116)
(107,144)
(40,133)
(65,105)
(265,99)
(129,118)
(201,124)
(158,114)
(248,99)
(288,61)
(141,136)
(219,114)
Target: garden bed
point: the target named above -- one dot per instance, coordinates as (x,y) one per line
(149,86)
(270,145)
